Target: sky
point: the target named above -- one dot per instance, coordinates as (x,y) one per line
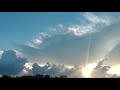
(23,26)
(69,38)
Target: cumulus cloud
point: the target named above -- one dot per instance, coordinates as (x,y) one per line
(18,54)
(1,53)
(10,64)
(99,71)
(55,70)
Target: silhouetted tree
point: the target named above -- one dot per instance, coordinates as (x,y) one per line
(63,76)
(47,76)
(33,76)
(39,76)
(6,76)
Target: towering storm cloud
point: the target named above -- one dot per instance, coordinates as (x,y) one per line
(10,64)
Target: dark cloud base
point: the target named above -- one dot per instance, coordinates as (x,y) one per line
(10,64)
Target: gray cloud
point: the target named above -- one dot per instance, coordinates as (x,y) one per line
(10,64)
(100,70)
(55,70)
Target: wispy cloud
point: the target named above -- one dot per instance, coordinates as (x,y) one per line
(92,26)
(97,19)
(77,30)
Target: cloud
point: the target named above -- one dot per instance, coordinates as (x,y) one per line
(96,19)
(94,24)
(54,70)
(1,53)
(62,45)
(108,44)
(81,30)
(66,45)
(18,54)
(99,71)
(10,64)
(77,29)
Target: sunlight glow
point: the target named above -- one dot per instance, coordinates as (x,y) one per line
(29,65)
(87,70)
(42,64)
(114,70)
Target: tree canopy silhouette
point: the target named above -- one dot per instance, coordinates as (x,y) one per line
(33,76)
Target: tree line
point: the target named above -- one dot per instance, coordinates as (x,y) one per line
(33,76)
